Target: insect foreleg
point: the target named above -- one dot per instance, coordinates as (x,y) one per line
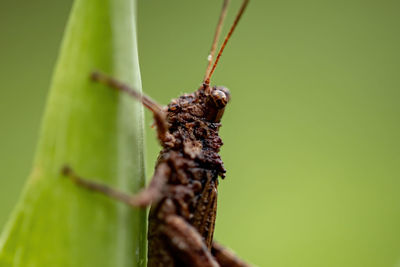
(186,243)
(153,106)
(120,86)
(225,257)
(142,199)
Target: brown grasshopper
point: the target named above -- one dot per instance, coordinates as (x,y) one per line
(183,190)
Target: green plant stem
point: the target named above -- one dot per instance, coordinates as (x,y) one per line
(99,133)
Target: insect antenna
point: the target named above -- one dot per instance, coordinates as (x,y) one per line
(216,37)
(228,36)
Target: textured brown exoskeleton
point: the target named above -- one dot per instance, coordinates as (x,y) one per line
(183,191)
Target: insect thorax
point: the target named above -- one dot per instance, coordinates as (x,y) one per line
(194,122)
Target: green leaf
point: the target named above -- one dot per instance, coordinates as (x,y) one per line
(99,133)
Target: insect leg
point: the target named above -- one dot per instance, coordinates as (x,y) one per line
(142,199)
(154,190)
(153,106)
(225,257)
(187,244)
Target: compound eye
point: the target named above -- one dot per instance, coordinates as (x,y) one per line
(220,98)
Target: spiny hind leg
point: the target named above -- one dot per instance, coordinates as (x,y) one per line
(226,257)
(158,111)
(142,199)
(186,244)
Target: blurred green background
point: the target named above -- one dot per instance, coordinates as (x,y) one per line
(312,134)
